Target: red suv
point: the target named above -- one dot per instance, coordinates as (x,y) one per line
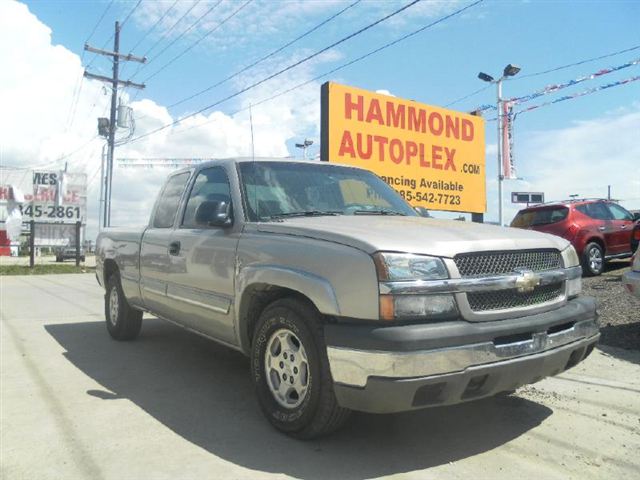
(600,230)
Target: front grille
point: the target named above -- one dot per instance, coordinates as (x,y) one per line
(504,263)
(505,299)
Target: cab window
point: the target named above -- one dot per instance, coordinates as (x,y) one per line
(211,185)
(169,201)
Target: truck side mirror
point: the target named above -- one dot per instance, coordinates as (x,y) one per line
(636,216)
(214,214)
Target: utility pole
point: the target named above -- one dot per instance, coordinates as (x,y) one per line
(114,81)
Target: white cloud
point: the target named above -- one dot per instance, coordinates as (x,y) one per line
(273,21)
(36,95)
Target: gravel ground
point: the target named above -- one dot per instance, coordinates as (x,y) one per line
(619,311)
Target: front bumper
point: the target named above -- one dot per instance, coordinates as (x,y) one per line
(391,369)
(631,281)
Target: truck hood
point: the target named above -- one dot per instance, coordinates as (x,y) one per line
(427,236)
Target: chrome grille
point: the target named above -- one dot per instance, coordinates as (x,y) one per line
(505,299)
(504,263)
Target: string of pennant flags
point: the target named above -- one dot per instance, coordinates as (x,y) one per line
(151,163)
(589,91)
(553,88)
(581,94)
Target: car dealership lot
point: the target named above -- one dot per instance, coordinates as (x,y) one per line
(76,404)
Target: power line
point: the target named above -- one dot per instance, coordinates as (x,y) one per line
(130,13)
(98,22)
(554,69)
(113,34)
(169,30)
(289,67)
(269,55)
(193,45)
(344,65)
(154,25)
(468,96)
(193,25)
(562,67)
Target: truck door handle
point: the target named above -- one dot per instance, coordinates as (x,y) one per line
(623,226)
(174,248)
(601,228)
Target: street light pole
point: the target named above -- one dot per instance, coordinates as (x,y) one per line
(500,173)
(509,71)
(304,145)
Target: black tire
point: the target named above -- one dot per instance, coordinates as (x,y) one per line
(127,321)
(591,267)
(318,413)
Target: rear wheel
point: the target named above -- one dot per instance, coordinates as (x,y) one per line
(592,260)
(123,322)
(290,371)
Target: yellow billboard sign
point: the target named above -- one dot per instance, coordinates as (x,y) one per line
(434,157)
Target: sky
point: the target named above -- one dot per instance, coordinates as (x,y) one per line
(579,146)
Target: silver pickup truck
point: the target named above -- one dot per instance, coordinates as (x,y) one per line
(341,295)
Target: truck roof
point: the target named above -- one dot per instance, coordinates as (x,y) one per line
(226,161)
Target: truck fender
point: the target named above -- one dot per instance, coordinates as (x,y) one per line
(317,289)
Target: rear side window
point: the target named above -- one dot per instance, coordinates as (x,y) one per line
(543,216)
(597,211)
(169,201)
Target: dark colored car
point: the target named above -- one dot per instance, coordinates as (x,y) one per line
(69,253)
(599,230)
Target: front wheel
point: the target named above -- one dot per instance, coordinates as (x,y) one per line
(290,371)
(123,322)
(592,260)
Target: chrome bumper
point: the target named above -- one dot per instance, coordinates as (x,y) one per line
(354,367)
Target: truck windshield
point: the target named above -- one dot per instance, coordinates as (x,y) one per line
(283,189)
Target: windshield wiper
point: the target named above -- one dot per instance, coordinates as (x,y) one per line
(381,211)
(307,213)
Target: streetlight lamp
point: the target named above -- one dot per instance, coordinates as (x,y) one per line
(306,144)
(509,71)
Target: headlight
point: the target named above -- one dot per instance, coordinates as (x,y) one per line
(402,267)
(394,267)
(570,259)
(417,307)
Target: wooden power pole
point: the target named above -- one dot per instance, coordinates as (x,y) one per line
(114,81)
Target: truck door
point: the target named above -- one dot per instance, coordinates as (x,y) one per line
(154,248)
(202,263)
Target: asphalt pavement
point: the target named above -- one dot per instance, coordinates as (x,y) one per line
(76,405)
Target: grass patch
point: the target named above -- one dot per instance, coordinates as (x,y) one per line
(43,269)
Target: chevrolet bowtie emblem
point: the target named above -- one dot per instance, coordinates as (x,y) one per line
(527,280)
